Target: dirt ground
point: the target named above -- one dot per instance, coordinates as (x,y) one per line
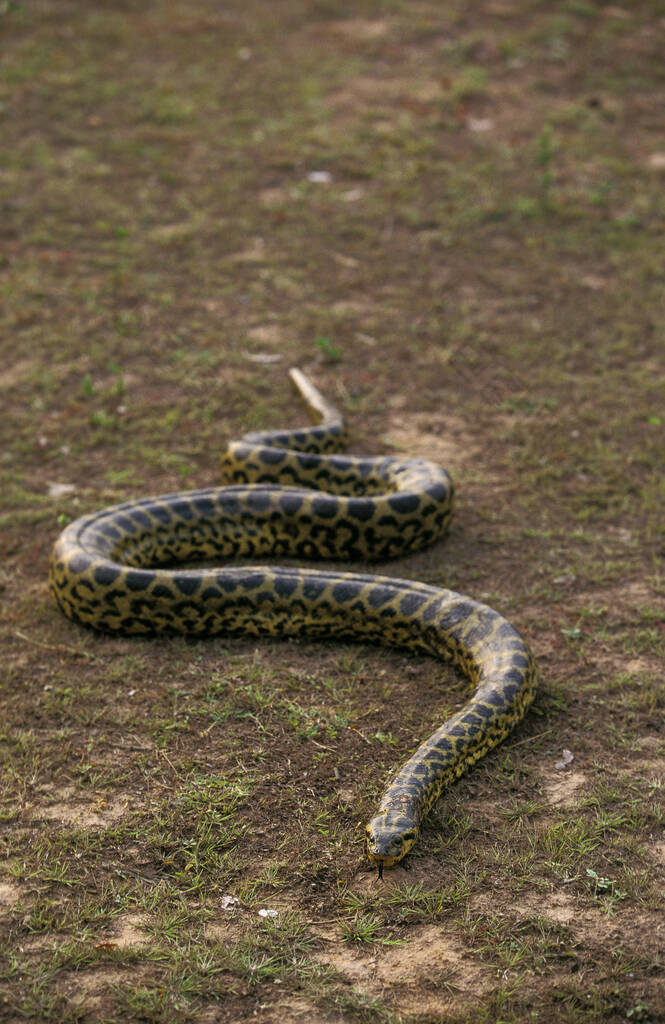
(451,216)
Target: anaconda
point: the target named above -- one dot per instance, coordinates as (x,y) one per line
(290,493)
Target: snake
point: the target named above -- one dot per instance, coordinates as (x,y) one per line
(295,493)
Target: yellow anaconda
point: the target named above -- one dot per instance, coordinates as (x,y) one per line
(287,495)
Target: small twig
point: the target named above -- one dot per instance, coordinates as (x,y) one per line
(54,647)
(323,746)
(166,757)
(528,739)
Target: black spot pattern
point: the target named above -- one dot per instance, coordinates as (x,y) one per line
(186,584)
(137,580)
(106,574)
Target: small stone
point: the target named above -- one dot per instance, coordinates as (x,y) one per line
(567,757)
(320,177)
(480,124)
(60,490)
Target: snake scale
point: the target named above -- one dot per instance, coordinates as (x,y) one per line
(290,493)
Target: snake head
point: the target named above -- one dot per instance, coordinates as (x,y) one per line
(389,840)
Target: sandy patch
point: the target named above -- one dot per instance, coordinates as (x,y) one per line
(254,252)
(274,197)
(9,895)
(584,920)
(87,989)
(561,907)
(129,930)
(220,929)
(379,94)
(442,439)
(12,375)
(422,975)
(642,666)
(562,788)
(267,334)
(360,28)
(634,595)
(100,814)
(658,852)
(654,744)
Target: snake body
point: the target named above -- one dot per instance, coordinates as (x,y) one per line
(289,493)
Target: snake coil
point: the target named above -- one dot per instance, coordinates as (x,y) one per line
(289,493)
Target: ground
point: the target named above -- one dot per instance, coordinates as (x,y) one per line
(451,216)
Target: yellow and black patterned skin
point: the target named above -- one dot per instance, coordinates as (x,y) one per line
(288,495)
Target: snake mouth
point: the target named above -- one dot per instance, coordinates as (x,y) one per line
(382,862)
